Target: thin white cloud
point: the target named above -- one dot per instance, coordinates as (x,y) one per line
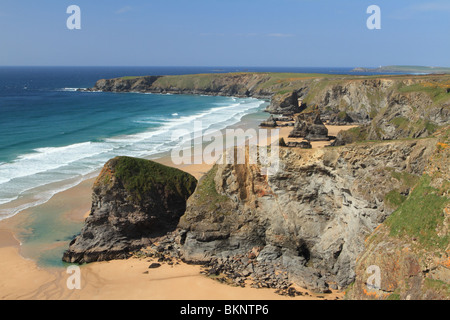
(280,35)
(124,9)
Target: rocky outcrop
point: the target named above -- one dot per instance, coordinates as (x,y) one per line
(269,123)
(310,127)
(409,254)
(284,103)
(301,144)
(133,202)
(386,109)
(126,84)
(232,84)
(311,218)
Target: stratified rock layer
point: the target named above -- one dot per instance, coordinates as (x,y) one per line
(410,253)
(133,201)
(311,217)
(387,107)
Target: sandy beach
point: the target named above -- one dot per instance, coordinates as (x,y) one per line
(22,278)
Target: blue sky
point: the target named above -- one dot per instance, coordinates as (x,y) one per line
(297,33)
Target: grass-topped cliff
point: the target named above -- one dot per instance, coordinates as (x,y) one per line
(133,202)
(141,177)
(311,218)
(387,106)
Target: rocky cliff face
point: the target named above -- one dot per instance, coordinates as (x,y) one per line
(133,202)
(410,252)
(311,218)
(284,103)
(234,84)
(126,84)
(388,107)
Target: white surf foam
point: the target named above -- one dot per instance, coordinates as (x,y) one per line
(28,175)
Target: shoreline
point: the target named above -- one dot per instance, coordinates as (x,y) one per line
(109,280)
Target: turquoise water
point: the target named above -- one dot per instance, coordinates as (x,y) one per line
(52,137)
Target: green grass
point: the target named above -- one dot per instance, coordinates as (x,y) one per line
(394,199)
(400,122)
(437,285)
(393,296)
(407,179)
(342,115)
(420,215)
(436,92)
(140,177)
(207,192)
(354,135)
(130,77)
(405,124)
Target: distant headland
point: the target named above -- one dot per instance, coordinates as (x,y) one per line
(405,69)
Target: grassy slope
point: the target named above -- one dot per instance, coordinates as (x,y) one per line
(140,176)
(420,215)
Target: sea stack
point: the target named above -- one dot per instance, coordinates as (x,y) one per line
(310,126)
(133,202)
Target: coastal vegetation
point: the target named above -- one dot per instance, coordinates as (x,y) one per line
(140,177)
(388,176)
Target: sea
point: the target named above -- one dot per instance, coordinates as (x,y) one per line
(53,137)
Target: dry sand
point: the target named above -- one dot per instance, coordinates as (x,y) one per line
(121,279)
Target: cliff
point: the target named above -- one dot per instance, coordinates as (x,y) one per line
(133,202)
(412,248)
(311,218)
(386,107)
(328,214)
(232,84)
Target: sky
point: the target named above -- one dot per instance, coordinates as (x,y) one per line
(275,33)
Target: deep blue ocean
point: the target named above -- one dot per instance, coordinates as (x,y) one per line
(52,137)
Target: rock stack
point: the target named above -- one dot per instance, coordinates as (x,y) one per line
(133,202)
(310,127)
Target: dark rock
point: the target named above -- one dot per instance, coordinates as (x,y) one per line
(269,123)
(134,201)
(154,265)
(284,103)
(213,271)
(310,127)
(303,220)
(302,144)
